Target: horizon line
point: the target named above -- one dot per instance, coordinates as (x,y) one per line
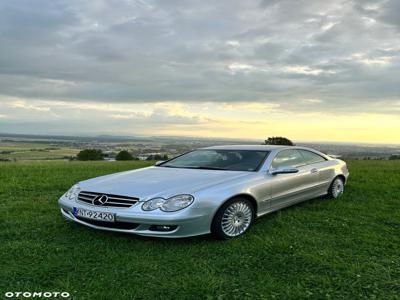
(87,135)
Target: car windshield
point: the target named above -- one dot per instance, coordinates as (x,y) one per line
(215,159)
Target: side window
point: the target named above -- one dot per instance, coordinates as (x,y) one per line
(311,157)
(288,158)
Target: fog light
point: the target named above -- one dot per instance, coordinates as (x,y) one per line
(162,227)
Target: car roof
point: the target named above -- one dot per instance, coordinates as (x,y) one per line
(248,147)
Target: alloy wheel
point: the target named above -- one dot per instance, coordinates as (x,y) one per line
(337,188)
(236,219)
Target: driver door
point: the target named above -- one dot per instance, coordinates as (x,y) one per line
(287,189)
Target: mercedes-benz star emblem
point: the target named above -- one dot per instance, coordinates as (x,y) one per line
(100,200)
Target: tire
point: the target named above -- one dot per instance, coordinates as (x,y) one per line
(336,188)
(233,219)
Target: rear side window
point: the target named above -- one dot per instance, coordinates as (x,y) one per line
(288,158)
(311,157)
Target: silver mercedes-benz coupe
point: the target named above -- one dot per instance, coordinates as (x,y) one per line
(218,190)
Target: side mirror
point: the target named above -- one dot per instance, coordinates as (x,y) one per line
(159,162)
(283,171)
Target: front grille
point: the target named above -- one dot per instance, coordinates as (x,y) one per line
(116,225)
(109,201)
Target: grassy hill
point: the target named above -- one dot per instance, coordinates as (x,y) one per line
(321,249)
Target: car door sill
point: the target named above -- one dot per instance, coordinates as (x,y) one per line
(276,208)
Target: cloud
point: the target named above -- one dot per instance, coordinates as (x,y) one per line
(240,67)
(21,104)
(387,11)
(306,70)
(276,54)
(255,106)
(312,101)
(376,61)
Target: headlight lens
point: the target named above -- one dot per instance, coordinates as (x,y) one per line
(168,205)
(153,204)
(177,202)
(73,192)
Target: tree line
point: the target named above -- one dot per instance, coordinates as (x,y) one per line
(97,154)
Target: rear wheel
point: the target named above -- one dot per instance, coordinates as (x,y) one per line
(336,189)
(233,219)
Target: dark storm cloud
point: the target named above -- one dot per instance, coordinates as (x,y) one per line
(344,53)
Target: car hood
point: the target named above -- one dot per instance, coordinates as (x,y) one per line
(159,181)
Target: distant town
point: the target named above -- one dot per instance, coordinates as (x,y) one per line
(18,147)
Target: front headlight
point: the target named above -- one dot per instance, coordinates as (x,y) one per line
(153,204)
(175,203)
(73,192)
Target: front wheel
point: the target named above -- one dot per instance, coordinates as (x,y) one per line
(233,219)
(336,189)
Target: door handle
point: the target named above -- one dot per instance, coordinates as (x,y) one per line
(314,170)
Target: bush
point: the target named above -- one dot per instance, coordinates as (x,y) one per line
(124,155)
(90,154)
(157,157)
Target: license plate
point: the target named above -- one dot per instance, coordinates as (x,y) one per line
(94,215)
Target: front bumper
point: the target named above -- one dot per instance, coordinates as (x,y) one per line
(188,222)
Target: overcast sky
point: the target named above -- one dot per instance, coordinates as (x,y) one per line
(309,70)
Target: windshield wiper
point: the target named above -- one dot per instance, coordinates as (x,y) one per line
(167,166)
(194,167)
(207,168)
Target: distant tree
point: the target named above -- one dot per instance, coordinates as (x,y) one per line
(153,157)
(124,155)
(394,157)
(90,154)
(279,140)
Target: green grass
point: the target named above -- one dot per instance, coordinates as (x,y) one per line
(321,249)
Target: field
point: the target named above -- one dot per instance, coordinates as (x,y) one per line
(322,249)
(16,151)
